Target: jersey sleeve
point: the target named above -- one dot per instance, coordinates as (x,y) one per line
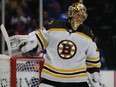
(93,58)
(42,36)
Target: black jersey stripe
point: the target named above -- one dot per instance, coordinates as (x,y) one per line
(93,61)
(73,73)
(40,41)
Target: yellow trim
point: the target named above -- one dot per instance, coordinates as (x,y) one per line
(51,22)
(65,70)
(64,76)
(57,29)
(93,59)
(84,35)
(93,65)
(42,38)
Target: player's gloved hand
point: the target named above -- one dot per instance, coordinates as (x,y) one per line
(27,45)
(95,80)
(23,43)
(15,41)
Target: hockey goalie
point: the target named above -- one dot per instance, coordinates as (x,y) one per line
(72,57)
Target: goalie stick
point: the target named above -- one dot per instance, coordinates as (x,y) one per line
(7,38)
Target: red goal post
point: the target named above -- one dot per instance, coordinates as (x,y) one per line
(20,71)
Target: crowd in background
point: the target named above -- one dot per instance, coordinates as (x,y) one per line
(22,17)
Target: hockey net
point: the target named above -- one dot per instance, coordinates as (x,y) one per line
(20,71)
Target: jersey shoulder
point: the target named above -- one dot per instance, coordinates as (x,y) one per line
(55,24)
(86,30)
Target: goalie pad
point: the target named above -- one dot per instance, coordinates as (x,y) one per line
(94,80)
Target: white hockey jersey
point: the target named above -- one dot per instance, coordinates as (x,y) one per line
(69,54)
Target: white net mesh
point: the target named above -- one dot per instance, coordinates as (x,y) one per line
(27,72)
(4,71)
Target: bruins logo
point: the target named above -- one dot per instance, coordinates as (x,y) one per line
(66,49)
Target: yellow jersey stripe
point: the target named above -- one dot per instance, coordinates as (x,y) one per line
(82,34)
(93,59)
(42,38)
(93,64)
(64,76)
(64,70)
(57,29)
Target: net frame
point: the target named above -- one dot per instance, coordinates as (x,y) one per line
(13,64)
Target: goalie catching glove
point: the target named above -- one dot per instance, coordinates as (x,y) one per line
(23,43)
(94,80)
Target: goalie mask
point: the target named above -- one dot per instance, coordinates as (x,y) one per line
(77,14)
